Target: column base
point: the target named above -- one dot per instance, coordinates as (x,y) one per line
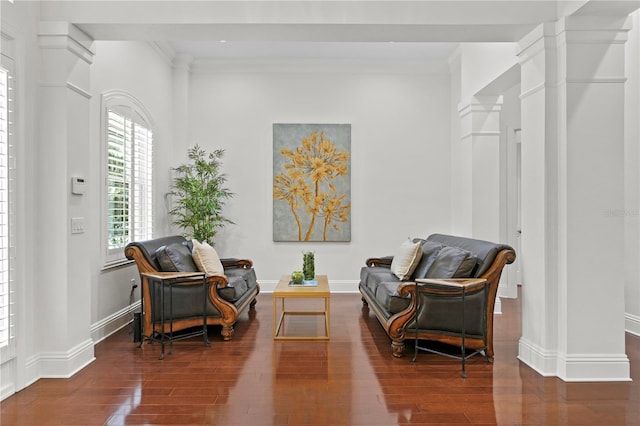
(576,367)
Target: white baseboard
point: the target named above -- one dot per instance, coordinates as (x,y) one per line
(66,364)
(497,308)
(114,322)
(543,362)
(32,371)
(632,324)
(594,368)
(6,390)
(575,367)
(7,384)
(60,364)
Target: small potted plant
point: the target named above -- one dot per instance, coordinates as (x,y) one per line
(297,277)
(308,266)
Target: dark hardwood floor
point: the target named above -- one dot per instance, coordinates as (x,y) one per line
(351,380)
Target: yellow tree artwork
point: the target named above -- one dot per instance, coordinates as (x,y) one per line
(311,184)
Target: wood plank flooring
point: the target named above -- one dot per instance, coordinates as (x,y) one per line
(351,380)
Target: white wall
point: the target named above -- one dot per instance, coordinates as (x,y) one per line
(399,154)
(461,212)
(147,76)
(632,179)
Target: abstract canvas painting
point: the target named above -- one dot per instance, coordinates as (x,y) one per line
(311,182)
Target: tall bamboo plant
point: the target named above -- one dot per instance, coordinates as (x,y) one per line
(199,194)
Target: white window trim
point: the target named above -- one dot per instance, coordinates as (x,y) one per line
(7,62)
(123,101)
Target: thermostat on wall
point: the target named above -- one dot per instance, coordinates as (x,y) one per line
(77,185)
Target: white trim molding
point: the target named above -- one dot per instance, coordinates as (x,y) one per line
(594,368)
(8,385)
(60,364)
(574,368)
(480,117)
(632,324)
(543,362)
(497,309)
(63,35)
(114,322)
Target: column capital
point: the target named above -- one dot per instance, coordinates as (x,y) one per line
(480,104)
(591,49)
(63,35)
(536,41)
(608,29)
(480,116)
(577,29)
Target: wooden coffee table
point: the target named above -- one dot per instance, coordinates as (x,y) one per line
(285,291)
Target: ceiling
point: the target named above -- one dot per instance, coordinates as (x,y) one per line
(365,29)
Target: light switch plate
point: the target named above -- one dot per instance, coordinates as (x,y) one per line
(77,225)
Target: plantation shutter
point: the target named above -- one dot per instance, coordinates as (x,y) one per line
(129,179)
(142,173)
(7,190)
(118,179)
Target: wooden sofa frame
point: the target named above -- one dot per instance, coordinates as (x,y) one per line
(229,311)
(395,325)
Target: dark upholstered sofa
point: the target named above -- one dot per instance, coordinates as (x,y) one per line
(229,295)
(392,300)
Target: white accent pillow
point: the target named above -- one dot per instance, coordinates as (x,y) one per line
(406,259)
(206,258)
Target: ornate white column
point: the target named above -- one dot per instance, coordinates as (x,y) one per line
(572,176)
(480,133)
(61,259)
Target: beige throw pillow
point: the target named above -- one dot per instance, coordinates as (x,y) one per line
(406,259)
(206,258)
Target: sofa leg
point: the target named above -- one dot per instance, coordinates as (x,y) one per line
(397,349)
(227,332)
(252,305)
(489,353)
(364,302)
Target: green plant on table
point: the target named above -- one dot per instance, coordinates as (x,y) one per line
(308,265)
(296,277)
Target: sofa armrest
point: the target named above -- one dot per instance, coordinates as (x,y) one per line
(232,262)
(187,276)
(217,281)
(448,286)
(379,261)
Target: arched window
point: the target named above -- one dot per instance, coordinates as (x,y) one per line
(128,143)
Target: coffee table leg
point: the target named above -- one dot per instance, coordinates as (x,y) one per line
(327,314)
(275,317)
